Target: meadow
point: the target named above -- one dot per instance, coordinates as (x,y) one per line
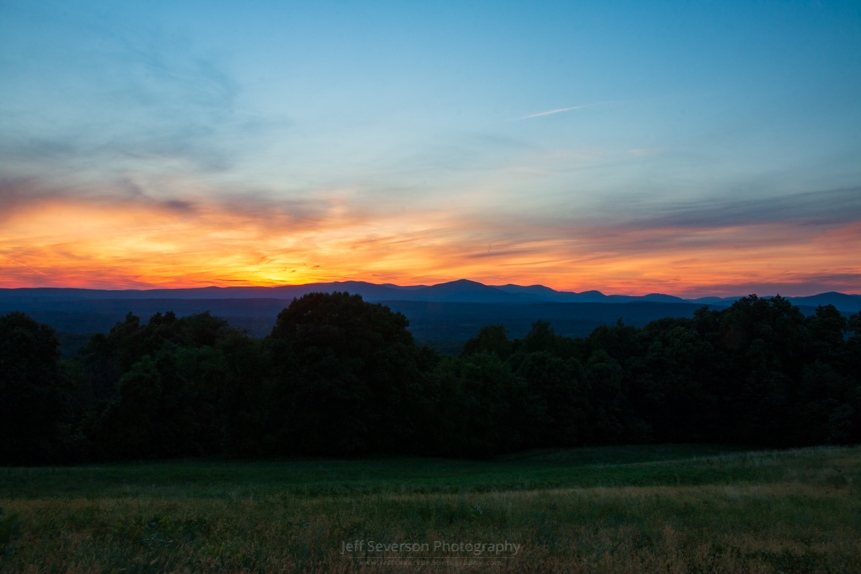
(656,508)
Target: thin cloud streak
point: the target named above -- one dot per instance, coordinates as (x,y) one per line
(556,111)
(824,207)
(27,267)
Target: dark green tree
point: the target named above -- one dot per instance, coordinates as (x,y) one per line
(161,389)
(676,380)
(346,377)
(826,329)
(33,392)
(483,408)
(560,388)
(490,339)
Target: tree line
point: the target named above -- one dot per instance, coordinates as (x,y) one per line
(339,376)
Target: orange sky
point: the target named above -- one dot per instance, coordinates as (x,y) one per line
(66,242)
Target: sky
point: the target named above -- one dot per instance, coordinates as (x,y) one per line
(688,148)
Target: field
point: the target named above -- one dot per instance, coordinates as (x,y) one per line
(616,509)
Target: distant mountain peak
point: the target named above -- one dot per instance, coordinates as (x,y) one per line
(463,284)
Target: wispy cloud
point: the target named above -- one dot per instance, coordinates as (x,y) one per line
(27,267)
(144,100)
(556,111)
(826,207)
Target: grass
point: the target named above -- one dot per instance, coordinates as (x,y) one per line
(616,509)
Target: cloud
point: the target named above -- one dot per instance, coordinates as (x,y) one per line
(26,266)
(556,111)
(149,232)
(97,98)
(638,224)
(21,197)
(816,208)
(16,194)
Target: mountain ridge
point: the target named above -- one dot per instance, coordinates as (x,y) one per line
(459,291)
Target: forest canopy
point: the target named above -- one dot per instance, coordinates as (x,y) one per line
(339,376)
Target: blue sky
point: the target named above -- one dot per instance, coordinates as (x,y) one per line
(690,148)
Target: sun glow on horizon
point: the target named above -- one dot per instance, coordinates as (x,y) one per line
(75,244)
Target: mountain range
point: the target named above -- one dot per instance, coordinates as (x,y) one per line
(443,315)
(461,291)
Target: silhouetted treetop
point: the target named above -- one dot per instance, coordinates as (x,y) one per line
(340,321)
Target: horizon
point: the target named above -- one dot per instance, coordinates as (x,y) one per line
(462,280)
(628,148)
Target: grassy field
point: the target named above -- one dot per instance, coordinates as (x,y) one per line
(620,509)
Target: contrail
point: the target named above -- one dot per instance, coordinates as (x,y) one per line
(27,266)
(556,111)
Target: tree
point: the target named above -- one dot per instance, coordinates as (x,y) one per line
(347,376)
(559,387)
(158,390)
(826,328)
(33,391)
(490,339)
(106,358)
(673,383)
(482,408)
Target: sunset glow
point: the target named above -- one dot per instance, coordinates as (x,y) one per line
(186,147)
(75,245)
